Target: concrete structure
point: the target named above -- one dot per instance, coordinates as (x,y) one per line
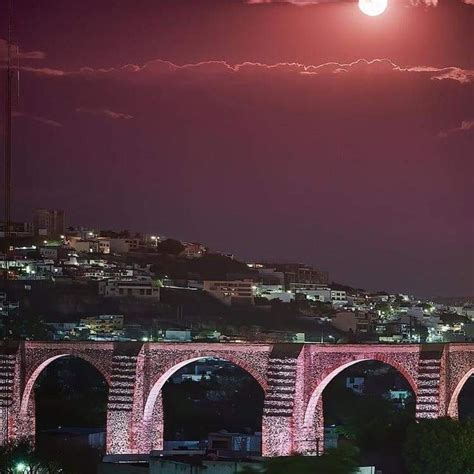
(194,249)
(138,288)
(104,324)
(177,335)
(299,276)
(17,229)
(49,222)
(357,322)
(338,297)
(356,384)
(322,295)
(231,291)
(124,245)
(292,376)
(90,245)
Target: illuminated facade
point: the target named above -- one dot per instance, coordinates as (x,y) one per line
(293,377)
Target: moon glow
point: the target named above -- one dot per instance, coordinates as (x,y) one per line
(373,7)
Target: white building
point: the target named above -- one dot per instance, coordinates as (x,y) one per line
(177,335)
(138,288)
(84,246)
(92,245)
(338,297)
(319,294)
(468,311)
(273,292)
(49,252)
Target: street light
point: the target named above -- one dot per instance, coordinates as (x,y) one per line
(21,467)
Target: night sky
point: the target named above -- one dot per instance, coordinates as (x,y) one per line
(273,131)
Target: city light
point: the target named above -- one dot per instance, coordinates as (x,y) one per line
(21,467)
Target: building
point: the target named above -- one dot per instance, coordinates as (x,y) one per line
(103,245)
(49,252)
(63,331)
(299,276)
(468,311)
(177,335)
(193,249)
(356,322)
(124,245)
(356,384)
(17,229)
(243,443)
(49,222)
(399,396)
(338,297)
(231,291)
(323,295)
(91,245)
(138,288)
(105,325)
(273,292)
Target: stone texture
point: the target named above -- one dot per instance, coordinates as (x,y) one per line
(292,377)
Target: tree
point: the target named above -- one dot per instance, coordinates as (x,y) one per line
(171,247)
(440,446)
(19,457)
(28,327)
(342,460)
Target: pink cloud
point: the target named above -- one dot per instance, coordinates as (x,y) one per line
(36,118)
(105,113)
(360,66)
(302,3)
(16,53)
(466,126)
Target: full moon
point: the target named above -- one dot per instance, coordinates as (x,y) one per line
(373,7)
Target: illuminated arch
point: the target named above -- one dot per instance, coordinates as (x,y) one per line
(25,399)
(158,385)
(310,412)
(453,409)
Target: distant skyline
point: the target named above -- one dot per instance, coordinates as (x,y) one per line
(269,130)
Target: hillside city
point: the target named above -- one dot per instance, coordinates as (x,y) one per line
(79,283)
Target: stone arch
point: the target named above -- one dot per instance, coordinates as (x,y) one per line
(151,424)
(313,422)
(158,385)
(453,408)
(26,396)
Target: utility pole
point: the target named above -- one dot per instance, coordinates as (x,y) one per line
(8,162)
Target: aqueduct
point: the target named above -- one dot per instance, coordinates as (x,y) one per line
(293,377)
